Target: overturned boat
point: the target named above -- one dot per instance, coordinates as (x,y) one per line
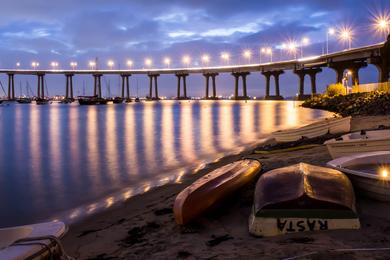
(36,241)
(369,173)
(335,125)
(359,142)
(212,188)
(300,198)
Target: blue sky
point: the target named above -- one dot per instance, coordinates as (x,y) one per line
(72,30)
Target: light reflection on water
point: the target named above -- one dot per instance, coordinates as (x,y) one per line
(74,159)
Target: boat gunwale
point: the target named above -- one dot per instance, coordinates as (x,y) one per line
(337,164)
(334,141)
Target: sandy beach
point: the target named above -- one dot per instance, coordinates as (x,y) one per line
(144,227)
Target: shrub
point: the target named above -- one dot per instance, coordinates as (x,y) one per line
(335,90)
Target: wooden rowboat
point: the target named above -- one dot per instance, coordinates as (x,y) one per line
(300,198)
(323,127)
(212,188)
(369,173)
(359,142)
(37,241)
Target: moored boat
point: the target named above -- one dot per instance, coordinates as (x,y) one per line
(359,142)
(300,198)
(91,100)
(369,173)
(24,100)
(42,101)
(330,125)
(36,241)
(117,100)
(212,188)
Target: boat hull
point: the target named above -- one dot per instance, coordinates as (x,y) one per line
(39,249)
(332,126)
(213,188)
(302,198)
(370,185)
(350,145)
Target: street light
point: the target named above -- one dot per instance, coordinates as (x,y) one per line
(34,64)
(262,51)
(186,60)
(92,65)
(292,48)
(330,32)
(73,64)
(226,57)
(148,62)
(205,59)
(111,64)
(346,36)
(382,24)
(129,63)
(54,65)
(346,78)
(247,54)
(305,41)
(167,61)
(18,65)
(267,51)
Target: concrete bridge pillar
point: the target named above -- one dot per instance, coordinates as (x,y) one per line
(41,86)
(383,70)
(179,77)
(353,66)
(69,86)
(11,86)
(153,78)
(213,76)
(301,90)
(207,78)
(97,85)
(383,73)
(125,84)
(267,75)
(236,78)
(213,82)
(276,78)
(243,76)
(312,72)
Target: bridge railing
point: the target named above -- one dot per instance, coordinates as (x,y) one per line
(385,86)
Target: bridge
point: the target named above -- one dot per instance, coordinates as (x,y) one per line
(352,60)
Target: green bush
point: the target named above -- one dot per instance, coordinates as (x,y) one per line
(335,90)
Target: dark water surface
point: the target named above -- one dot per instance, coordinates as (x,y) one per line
(65,161)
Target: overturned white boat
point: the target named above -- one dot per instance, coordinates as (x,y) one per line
(36,241)
(335,125)
(369,173)
(359,142)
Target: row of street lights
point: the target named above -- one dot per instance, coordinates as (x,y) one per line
(344,34)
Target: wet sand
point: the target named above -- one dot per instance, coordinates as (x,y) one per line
(144,227)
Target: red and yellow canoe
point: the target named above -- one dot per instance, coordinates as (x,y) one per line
(212,188)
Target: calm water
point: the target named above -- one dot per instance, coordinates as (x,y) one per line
(65,161)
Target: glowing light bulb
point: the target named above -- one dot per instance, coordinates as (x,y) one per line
(384,173)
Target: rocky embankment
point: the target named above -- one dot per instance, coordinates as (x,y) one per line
(362,104)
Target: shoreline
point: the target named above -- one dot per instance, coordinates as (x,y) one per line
(143,227)
(79,214)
